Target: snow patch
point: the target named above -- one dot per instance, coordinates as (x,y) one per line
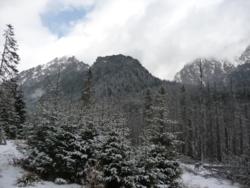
(9,173)
(200,180)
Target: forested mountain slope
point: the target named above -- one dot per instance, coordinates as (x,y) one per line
(116,75)
(69,71)
(119,75)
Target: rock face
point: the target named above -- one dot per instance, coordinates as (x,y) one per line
(68,70)
(116,75)
(119,75)
(205,71)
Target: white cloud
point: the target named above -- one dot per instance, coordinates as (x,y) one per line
(163,35)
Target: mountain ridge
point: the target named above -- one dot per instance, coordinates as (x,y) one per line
(115,75)
(120,75)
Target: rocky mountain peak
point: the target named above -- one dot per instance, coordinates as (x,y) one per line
(62,62)
(35,81)
(211,69)
(120,75)
(117,60)
(58,64)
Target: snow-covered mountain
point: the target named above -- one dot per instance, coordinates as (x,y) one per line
(120,75)
(36,81)
(116,75)
(211,70)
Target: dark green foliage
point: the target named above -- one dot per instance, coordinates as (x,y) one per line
(12,115)
(114,162)
(13,110)
(60,150)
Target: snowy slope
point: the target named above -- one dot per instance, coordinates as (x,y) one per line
(193,178)
(9,174)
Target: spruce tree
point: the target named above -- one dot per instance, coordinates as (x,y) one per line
(15,109)
(8,71)
(41,145)
(159,167)
(63,142)
(114,161)
(10,58)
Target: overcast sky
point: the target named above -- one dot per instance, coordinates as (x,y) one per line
(162,34)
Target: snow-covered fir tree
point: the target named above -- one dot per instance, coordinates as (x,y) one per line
(9,58)
(63,141)
(115,160)
(15,108)
(157,166)
(60,147)
(10,117)
(12,123)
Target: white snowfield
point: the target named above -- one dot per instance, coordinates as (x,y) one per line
(9,174)
(198,179)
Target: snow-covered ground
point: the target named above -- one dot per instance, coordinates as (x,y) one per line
(9,173)
(194,178)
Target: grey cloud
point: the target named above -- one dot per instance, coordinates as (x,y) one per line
(163,35)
